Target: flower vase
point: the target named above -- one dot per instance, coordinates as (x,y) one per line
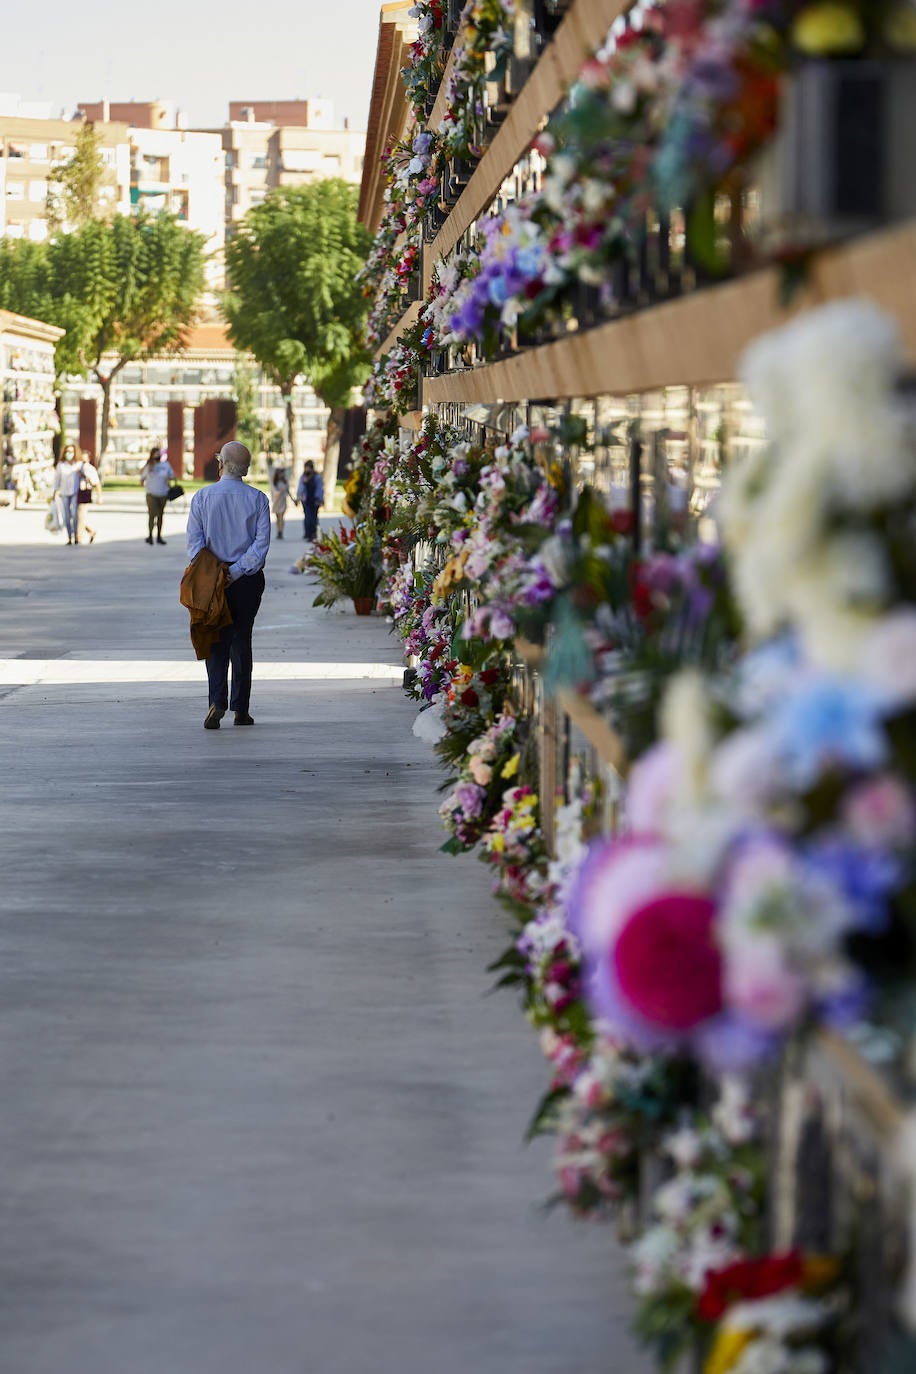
(363,604)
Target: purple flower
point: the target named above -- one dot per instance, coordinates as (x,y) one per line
(470,798)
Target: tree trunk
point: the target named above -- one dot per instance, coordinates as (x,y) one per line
(105,384)
(331,455)
(287,393)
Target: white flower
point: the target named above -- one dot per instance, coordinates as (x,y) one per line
(826,379)
(888,660)
(429,725)
(733,1115)
(786,1314)
(685,1147)
(744,772)
(686,725)
(770,1356)
(707,1253)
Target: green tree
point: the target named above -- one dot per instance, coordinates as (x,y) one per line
(293,299)
(122,291)
(75,187)
(247,425)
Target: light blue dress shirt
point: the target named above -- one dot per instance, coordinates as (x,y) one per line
(232,520)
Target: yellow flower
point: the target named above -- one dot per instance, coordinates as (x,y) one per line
(819,1272)
(462,675)
(511,768)
(828,29)
(729,1344)
(451,574)
(498,843)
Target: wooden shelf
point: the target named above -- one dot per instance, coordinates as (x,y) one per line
(437,114)
(581,32)
(883,1110)
(411,314)
(606,742)
(698,339)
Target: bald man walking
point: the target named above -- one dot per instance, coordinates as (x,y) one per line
(232,520)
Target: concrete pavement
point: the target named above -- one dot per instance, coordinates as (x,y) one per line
(259,1115)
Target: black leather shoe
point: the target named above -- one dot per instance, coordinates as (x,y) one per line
(213,718)
(149,539)
(160,540)
(243,718)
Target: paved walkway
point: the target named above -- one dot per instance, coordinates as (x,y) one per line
(259,1115)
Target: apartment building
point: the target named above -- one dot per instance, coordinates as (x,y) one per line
(263,153)
(30,146)
(182,172)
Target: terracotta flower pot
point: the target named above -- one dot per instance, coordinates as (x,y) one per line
(363,604)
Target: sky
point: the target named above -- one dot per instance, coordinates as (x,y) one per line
(199,53)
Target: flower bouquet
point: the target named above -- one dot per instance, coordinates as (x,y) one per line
(347,563)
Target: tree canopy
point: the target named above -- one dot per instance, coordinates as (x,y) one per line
(124,290)
(293,300)
(75,187)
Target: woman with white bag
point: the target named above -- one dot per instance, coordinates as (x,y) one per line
(70,475)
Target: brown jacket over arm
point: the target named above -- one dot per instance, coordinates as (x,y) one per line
(203,591)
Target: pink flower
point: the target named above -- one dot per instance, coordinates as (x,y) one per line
(616,877)
(650,787)
(667,964)
(881,813)
(481,772)
(760,985)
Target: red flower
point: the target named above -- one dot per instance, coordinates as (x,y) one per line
(469,697)
(641,592)
(746,1279)
(622,521)
(489,676)
(666,962)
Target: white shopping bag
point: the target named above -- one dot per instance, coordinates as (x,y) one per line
(53,519)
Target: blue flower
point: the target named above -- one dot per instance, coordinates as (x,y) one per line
(530,262)
(824,722)
(866,877)
(498,291)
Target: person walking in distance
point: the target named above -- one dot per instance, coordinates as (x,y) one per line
(156,475)
(311,494)
(70,474)
(232,520)
(279,497)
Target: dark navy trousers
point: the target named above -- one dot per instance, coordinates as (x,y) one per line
(234,646)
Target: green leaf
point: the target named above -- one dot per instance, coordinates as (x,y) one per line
(702,237)
(544,1120)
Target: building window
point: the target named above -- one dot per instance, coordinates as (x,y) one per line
(257,196)
(13,230)
(15,190)
(258,161)
(38,230)
(38,190)
(15,150)
(39,152)
(179,205)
